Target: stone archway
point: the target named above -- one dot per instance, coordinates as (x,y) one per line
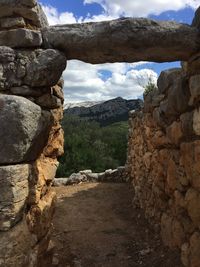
(32,58)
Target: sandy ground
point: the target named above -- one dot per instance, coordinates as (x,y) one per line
(95,225)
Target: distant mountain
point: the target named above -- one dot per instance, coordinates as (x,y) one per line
(86,104)
(107,112)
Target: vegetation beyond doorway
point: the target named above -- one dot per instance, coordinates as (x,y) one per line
(90,146)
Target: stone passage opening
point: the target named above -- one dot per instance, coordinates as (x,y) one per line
(163,148)
(96,137)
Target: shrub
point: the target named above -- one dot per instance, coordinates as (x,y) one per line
(150,87)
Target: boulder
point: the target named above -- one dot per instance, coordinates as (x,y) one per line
(13,194)
(167,78)
(24,129)
(60,181)
(76,178)
(177,101)
(44,68)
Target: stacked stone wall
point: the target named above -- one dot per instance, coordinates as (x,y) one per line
(31,137)
(164,158)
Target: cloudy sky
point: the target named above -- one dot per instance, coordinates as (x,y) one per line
(84,81)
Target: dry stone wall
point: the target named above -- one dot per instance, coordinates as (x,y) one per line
(164,158)
(164,143)
(31,137)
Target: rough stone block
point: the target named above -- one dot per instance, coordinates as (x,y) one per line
(176,103)
(196,121)
(37,68)
(24,129)
(45,68)
(17,22)
(190,160)
(152,100)
(187,124)
(193,66)
(29,10)
(174,133)
(13,194)
(194,84)
(167,78)
(49,101)
(20,38)
(192,200)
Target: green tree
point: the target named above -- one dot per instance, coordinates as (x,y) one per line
(89,146)
(150,87)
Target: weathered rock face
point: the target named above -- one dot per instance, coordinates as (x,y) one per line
(122,40)
(14,192)
(28,134)
(163,159)
(38,68)
(31,137)
(30,11)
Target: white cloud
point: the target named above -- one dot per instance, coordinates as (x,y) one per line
(83,81)
(54,17)
(116,8)
(138,8)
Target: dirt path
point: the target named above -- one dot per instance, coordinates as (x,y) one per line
(96,226)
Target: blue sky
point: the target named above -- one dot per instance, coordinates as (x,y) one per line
(100,82)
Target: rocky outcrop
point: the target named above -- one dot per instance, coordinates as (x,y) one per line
(125,39)
(107,112)
(163,159)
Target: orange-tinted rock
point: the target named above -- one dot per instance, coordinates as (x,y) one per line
(174,133)
(39,217)
(55,146)
(43,172)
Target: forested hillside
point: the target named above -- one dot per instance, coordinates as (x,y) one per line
(90,146)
